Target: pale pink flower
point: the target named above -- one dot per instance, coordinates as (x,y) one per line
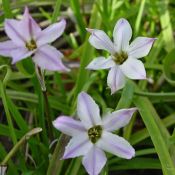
(27,39)
(123,60)
(92,135)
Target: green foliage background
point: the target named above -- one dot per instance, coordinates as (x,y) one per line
(22,108)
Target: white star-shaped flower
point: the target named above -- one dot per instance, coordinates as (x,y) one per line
(92,135)
(123,61)
(27,39)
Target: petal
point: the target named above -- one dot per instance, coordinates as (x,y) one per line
(29,28)
(94,161)
(6,47)
(101,63)
(68,125)
(88,110)
(51,33)
(22,31)
(49,58)
(19,54)
(79,145)
(100,40)
(116,145)
(140,47)
(3,169)
(118,119)
(116,79)
(12,29)
(122,34)
(133,69)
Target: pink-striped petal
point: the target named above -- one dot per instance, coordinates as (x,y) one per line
(101,63)
(51,33)
(29,28)
(21,32)
(6,47)
(116,79)
(13,30)
(79,145)
(68,125)
(118,119)
(100,40)
(133,69)
(49,58)
(122,34)
(20,54)
(116,145)
(94,161)
(140,47)
(88,110)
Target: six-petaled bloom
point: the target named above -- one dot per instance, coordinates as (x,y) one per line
(92,135)
(123,61)
(27,39)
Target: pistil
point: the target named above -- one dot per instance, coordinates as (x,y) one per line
(95,133)
(31,45)
(120,57)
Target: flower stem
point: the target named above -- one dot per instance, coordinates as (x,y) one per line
(55,162)
(5,103)
(19,143)
(48,117)
(8,115)
(40,76)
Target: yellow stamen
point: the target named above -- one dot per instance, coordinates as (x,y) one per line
(120,58)
(95,133)
(31,45)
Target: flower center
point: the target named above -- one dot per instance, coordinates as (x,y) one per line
(95,133)
(120,58)
(31,45)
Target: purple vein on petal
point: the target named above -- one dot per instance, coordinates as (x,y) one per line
(102,41)
(119,28)
(119,148)
(106,62)
(136,70)
(15,31)
(72,125)
(115,76)
(148,42)
(114,81)
(94,163)
(117,119)
(120,24)
(30,28)
(105,44)
(6,48)
(48,56)
(87,109)
(75,149)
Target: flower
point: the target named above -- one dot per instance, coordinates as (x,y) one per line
(123,61)
(28,39)
(92,135)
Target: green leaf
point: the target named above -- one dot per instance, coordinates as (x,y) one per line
(158,139)
(143,133)
(6,7)
(136,163)
(126,97)
(75,5)
(169,67)
(26,66)
(166,25)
